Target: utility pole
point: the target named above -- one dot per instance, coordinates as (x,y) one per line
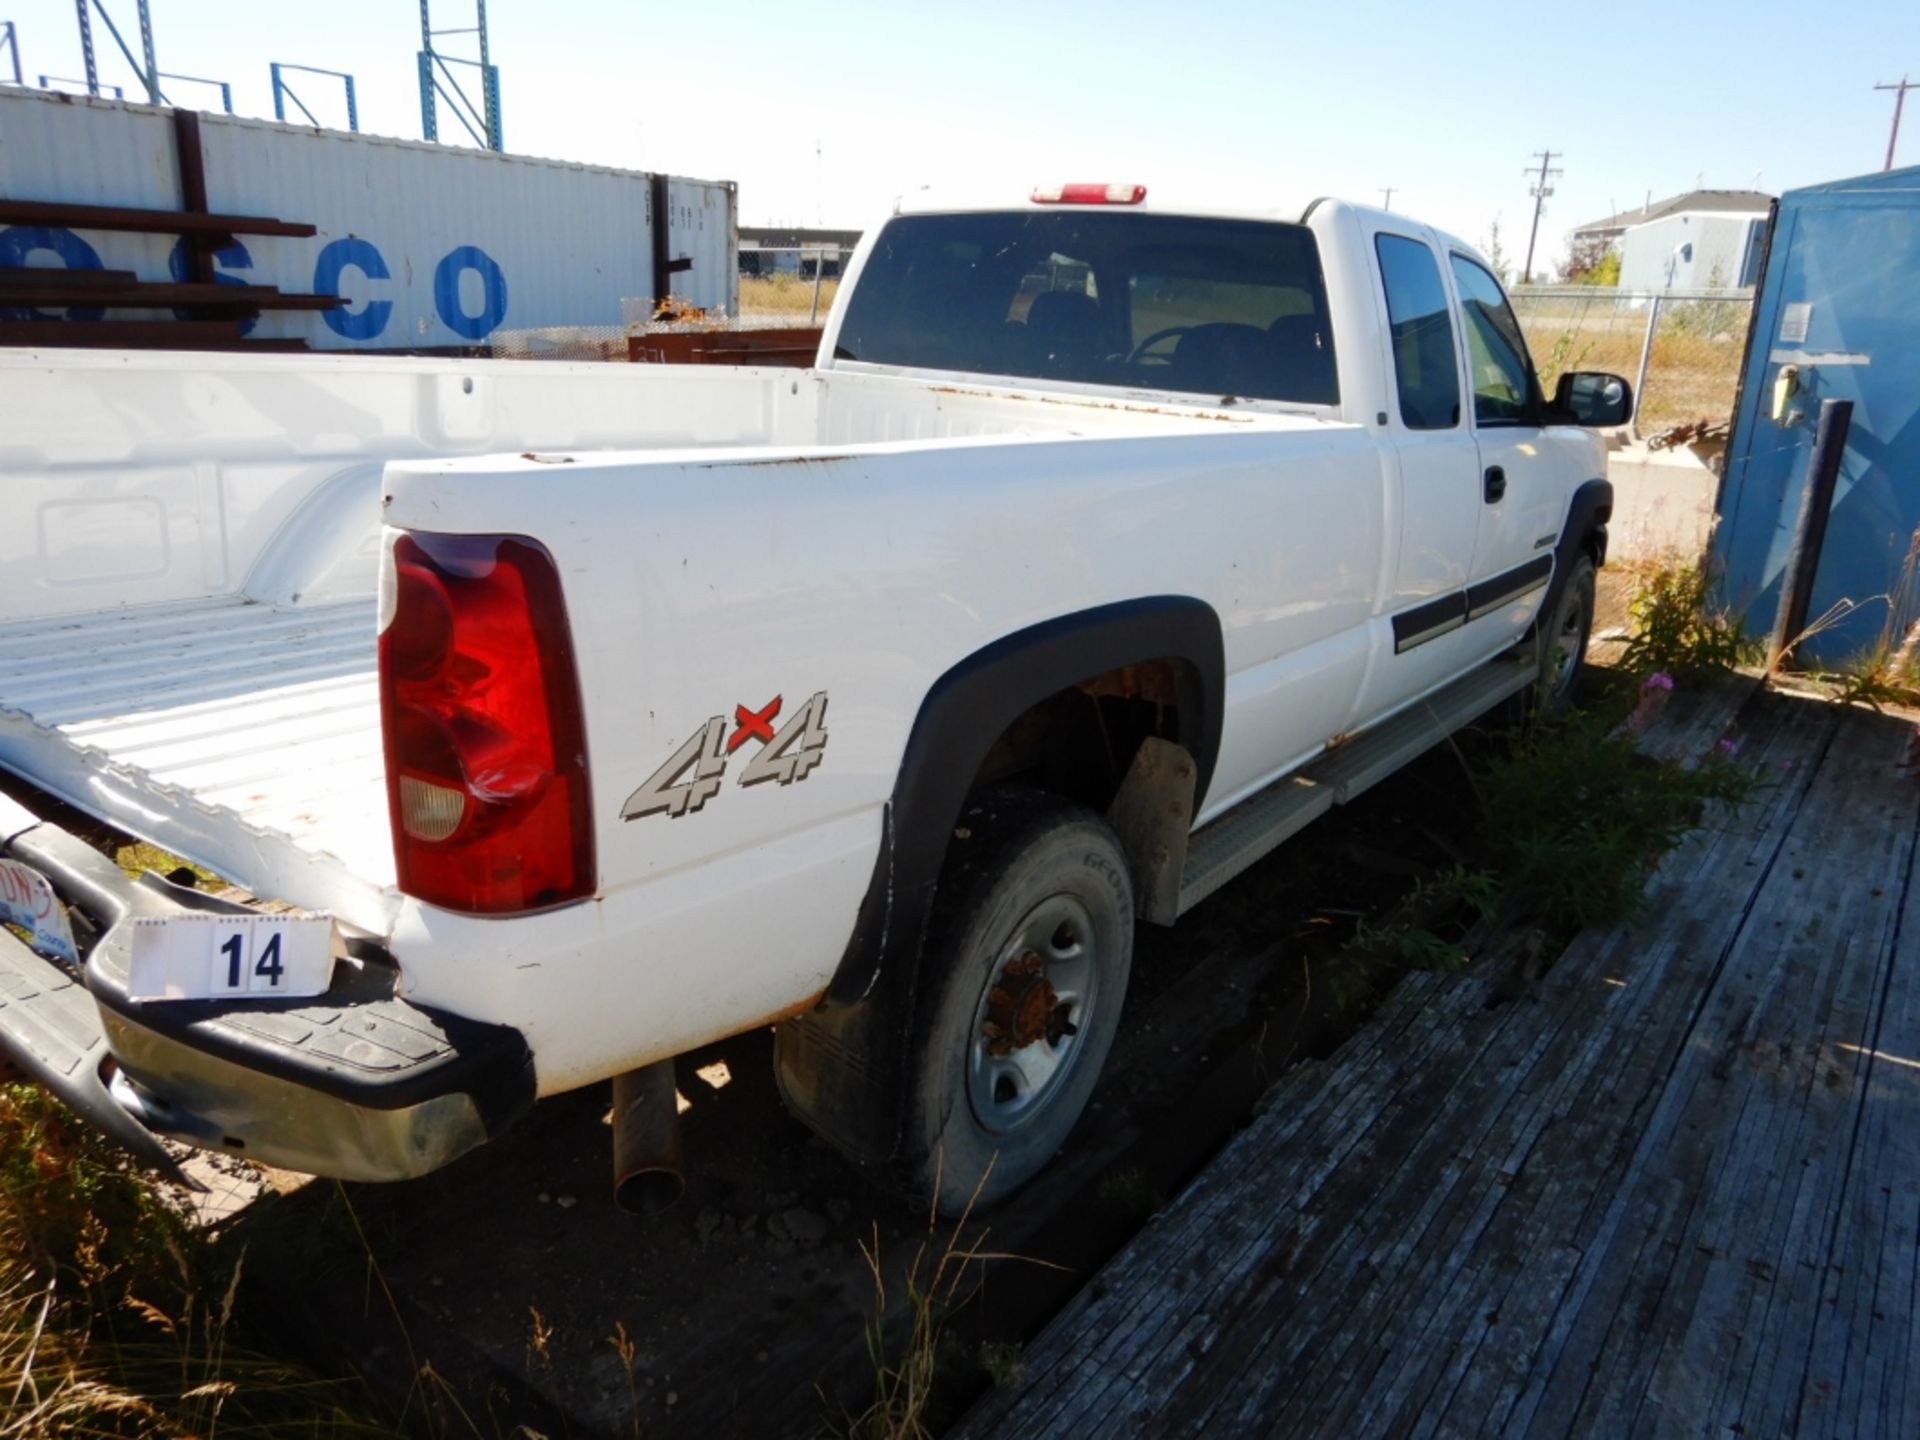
(1899,103)
(1386,201)
(1541,189)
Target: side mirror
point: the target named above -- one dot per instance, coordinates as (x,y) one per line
(1593,398)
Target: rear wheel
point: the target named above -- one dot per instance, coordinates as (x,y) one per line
(1024,972)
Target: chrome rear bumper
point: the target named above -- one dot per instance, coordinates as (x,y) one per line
(356,1084)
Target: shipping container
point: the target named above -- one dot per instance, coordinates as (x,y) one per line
(433,246)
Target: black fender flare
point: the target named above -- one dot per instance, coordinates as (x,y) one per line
(964,713)
(1587,518)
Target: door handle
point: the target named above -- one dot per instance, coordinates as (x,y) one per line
(1496,484)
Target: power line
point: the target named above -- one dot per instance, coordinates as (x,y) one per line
(1542,187)
(1899,103)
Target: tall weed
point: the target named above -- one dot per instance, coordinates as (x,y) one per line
(1577,817)
(1680,628)
(116,1317)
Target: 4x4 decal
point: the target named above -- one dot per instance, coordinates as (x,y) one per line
(694,773)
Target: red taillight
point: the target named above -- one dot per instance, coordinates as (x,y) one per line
(480,709)
(1089,194)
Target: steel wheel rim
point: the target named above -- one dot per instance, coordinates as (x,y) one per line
(1568,644)
(1008,1090)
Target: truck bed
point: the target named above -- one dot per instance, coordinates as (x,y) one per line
(187,608)
(177,721)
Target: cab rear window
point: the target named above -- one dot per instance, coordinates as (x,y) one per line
(1206,307)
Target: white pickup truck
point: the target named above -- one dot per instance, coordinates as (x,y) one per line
(584,714)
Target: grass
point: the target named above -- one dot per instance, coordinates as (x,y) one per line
(1886,671)
(915,1374)
(137,855)
(117,1318)
(1576,817)
(1680,628)
(784,295)
(1692,374)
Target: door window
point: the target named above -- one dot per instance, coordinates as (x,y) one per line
(1496,351)
(1424,364)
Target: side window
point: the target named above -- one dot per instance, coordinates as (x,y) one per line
(1496,350)
(1421,326)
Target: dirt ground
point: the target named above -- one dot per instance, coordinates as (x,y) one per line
(508,1289)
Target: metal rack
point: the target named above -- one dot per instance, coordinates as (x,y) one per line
(439,81)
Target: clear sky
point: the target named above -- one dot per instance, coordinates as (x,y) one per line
(1275,101)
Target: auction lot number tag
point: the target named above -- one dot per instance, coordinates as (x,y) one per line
(201,957)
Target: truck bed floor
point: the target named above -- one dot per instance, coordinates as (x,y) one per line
(244,737)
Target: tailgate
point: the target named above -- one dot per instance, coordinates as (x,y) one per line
(242,736)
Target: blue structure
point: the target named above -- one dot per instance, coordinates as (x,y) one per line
(1839,304)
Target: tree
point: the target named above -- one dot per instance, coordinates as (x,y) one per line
(1591,260)
(1496,257)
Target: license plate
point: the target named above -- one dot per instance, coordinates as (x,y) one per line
(204,957)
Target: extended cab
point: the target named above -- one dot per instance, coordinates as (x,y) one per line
(592,713)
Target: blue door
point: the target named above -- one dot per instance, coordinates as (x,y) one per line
(1841,303)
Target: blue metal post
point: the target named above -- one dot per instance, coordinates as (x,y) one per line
(149,77)
(489,81)
(283,91)
(481,121)
(428,130)
(86,47)
(146,48)
(10,39)
(226,90)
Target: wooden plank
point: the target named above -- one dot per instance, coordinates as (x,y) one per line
(1573,1144)
(1212,1360)
(1878,1396)
(1793,1378)
(1576,1336)
(1861,1330)
(1519,1226)
(1828,976)
(1716,1081)
(150,222)
(1441,1204)
(1163,1282)
(1411,1021)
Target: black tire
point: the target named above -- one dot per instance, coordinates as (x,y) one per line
(1561,640)
(1024,972)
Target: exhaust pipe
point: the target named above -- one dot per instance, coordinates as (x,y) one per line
(647,1178)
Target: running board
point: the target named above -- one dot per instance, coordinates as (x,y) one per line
(1250,830)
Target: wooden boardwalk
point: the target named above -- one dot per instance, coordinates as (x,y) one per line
(1672,1190)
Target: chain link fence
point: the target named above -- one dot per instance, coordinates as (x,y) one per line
(560,342)
(782,287)
(1681,348)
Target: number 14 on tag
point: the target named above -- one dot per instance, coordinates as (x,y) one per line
(200,956)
